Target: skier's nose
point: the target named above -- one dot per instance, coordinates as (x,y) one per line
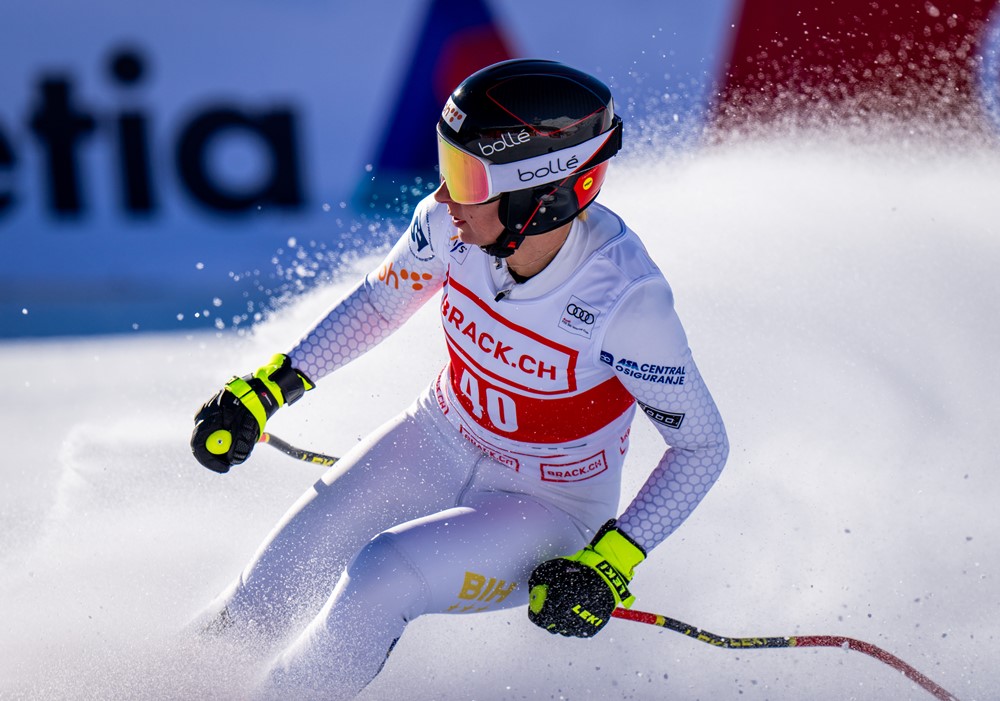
(442,195)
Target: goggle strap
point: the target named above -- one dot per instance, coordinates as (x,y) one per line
(610,147)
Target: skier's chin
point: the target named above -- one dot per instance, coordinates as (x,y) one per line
(469,236)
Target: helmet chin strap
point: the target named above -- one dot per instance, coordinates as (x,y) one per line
(512,235)
(505,245)
(532,201)
(509,239)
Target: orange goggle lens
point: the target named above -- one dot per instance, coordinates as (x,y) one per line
(467,177)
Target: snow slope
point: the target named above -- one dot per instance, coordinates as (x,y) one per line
(842,303)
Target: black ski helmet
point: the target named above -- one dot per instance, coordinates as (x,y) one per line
(537,135)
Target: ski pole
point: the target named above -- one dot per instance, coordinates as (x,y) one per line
(304,455)
(790,641)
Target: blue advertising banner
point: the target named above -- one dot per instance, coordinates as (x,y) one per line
(168,168)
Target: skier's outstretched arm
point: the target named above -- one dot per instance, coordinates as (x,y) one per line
(369,313)
(229,424)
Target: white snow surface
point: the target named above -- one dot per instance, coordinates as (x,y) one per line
(842,303)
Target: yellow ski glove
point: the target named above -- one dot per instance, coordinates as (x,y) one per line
(575,595)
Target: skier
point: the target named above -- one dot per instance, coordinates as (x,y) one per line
(499,486)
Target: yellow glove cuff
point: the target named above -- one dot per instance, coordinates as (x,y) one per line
(267,372)
(621,552)
(284,384)
(615,557)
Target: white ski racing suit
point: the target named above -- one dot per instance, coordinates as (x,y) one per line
(512,456)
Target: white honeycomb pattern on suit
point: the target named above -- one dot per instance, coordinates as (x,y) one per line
(691,465)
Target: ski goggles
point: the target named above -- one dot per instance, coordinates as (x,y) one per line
(474,180)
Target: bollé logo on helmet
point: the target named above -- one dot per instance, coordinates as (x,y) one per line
(508,140)
(549,169)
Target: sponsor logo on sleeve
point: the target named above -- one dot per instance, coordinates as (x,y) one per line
(667,418)
(578,317)
(420,243)
(650,372)
(412,279)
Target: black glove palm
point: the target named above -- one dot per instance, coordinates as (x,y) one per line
(575,595)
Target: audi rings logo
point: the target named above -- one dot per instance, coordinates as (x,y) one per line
(578,312)
(578,317)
